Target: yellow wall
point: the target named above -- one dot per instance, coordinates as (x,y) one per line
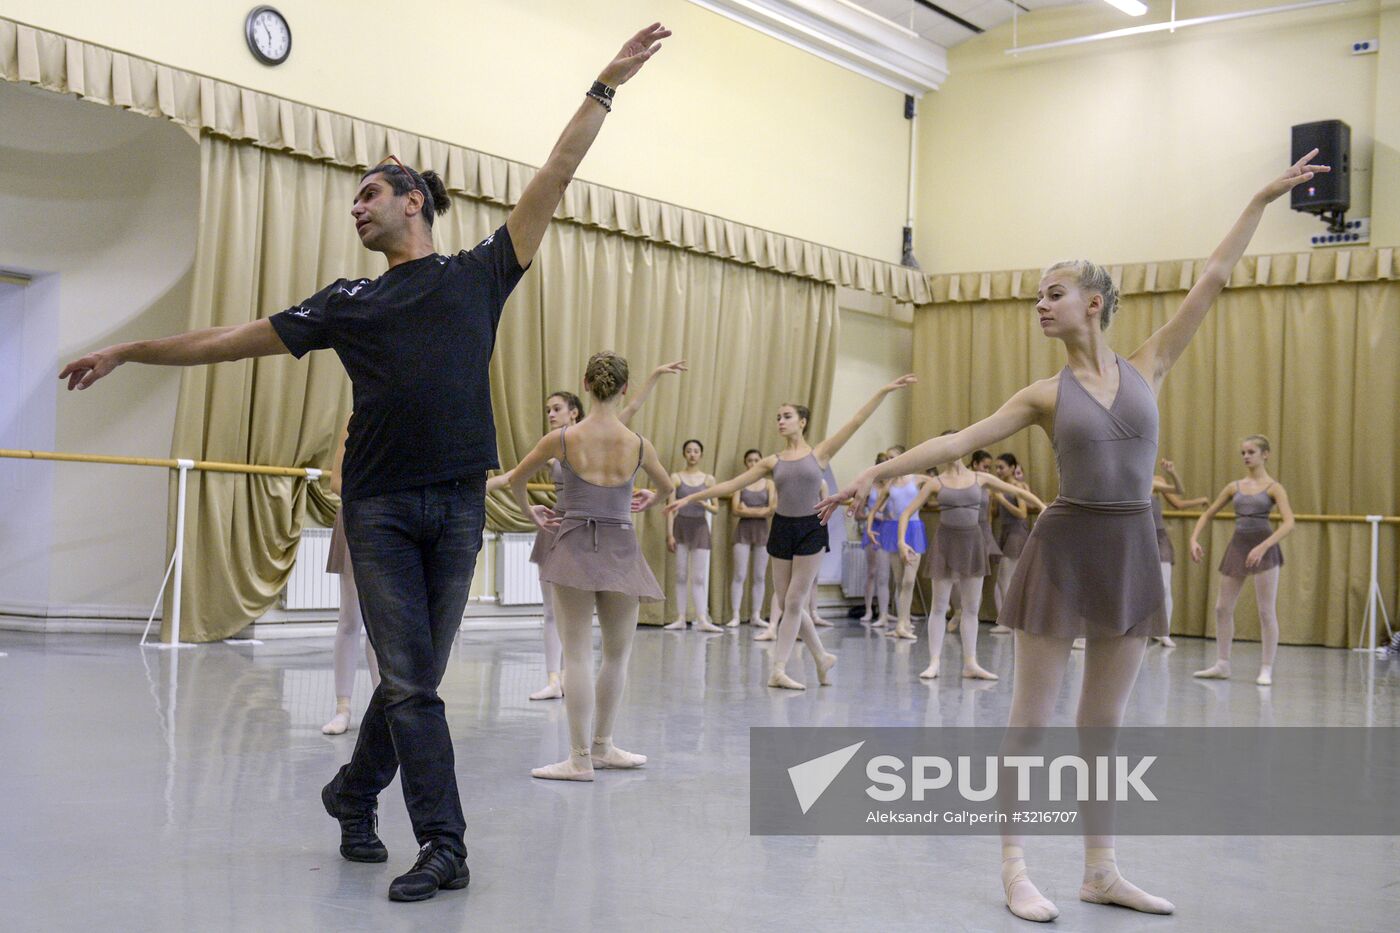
(1146,148)
(725,120)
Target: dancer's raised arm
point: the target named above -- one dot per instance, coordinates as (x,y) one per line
(830,445)
(1031,405)
(1163,348)
(763,468)
(530,218)
(640,396)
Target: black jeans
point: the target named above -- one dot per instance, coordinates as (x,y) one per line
(414,552)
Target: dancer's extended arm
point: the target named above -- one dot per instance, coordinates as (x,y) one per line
(549,447)
(1006,489)
(192,348)
(640,396)
(829,446)
(1162,349)
(1031,405)
(531,216)
(728,487)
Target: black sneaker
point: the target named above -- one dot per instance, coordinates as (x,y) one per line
(437,867)
(358,840)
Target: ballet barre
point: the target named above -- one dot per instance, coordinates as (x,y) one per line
(1375,603)
(176,564)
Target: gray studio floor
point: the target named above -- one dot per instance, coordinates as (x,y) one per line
(150,790)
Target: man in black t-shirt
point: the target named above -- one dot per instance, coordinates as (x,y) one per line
(417,344)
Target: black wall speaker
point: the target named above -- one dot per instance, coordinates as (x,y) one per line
(1330,192)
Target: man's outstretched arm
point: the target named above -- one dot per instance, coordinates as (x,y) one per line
(196,347)
(531,216)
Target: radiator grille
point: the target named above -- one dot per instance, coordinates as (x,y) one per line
(517,580)
(309,586)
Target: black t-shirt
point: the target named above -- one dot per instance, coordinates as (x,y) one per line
(417,344)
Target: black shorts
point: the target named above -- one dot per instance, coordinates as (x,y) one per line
(796,537)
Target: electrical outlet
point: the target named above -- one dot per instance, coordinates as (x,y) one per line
(1357,233)
(1365,46)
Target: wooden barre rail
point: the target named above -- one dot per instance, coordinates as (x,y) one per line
(1339,519)
(208,466)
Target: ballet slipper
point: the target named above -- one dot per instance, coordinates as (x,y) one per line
(953,626)
(905,630)
(676,626)
(705,625)
(880,622)
(1078,644)
(824,665)
(975,671)
(577,767)
(551,691)
(339,724)
(1022,897)
(867,617)
(1000,629)
(819,622)
(1104,885)
(780,678)
(930,672)
(608,756)
(1266,677)
(768,634)
(1220,670)
(1166,641)
(732,623)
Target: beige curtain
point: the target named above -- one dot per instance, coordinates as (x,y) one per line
(1313,367)
(106,76)
(274,228)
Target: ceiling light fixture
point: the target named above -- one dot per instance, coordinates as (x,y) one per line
(1131,7)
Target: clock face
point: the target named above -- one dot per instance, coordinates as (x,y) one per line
(269,36)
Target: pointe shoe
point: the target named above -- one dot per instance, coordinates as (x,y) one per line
(551,691)
(569,769)
(1027,903)
(339,724)
(1266,677)
(978,672)
(768,634)
(1220,670)
(930,672)
(1166,642)
(1000,629)
(824,665)
(1109,887)
(607,756)
(705,625)
(732,623)
(676,626)
(780,678)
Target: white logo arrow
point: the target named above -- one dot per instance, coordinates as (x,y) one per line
(811,778)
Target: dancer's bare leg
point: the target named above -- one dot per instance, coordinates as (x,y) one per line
(553,650)
(617,617)
(573,610)
(739,575)
(1266,594)
(1005,569)
(1111,666)
(794,579)
(942,592)
(1224,628)
(904,600)
(1040,662)
(1166,640)
(760,584)
(970,599)
(346,653)
(700,590)
(682,586)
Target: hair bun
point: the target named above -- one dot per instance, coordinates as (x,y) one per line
(442,201)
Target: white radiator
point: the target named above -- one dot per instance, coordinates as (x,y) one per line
(852,569)
(309,586)
(517,580)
